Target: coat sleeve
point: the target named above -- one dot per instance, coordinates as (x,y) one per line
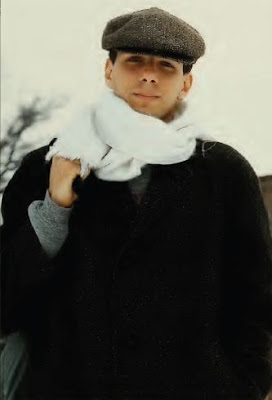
(27,271)
(246,318)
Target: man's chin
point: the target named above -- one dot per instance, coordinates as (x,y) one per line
(142,110)
(166,117)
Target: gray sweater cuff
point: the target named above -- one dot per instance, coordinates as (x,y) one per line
(58,213)
(50,222)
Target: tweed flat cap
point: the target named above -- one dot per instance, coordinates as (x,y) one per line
(154,31)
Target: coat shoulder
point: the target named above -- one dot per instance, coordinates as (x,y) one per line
(228,159)
(220,150)
(29,182)
(37,155)
(34,165)
(32,176)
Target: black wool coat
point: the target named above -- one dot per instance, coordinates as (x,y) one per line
(169,299)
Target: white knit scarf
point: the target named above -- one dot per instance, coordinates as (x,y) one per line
(116,141)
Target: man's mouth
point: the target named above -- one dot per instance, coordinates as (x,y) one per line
(145,96)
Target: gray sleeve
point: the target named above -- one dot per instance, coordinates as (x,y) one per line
(50,222)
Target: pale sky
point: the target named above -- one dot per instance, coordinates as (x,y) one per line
(53,48)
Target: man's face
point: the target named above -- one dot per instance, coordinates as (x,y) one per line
(149,84)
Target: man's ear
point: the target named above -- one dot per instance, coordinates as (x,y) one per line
(187,84)
(108,73)
(188,81)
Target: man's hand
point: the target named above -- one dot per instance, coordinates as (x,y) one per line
(62,174)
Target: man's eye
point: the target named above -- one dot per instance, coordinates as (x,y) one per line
(133,59)
(166,64)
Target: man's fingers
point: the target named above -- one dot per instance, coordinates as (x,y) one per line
(86,173)
(76,162)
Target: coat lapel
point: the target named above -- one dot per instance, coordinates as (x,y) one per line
(165,188)
(114,200)
(166,185)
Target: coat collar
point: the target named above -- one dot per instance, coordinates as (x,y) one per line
(113,201)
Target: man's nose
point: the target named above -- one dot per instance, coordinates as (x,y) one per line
(148,78)
(149,75)
(149,72)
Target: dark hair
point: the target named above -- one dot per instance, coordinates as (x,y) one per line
(113,55)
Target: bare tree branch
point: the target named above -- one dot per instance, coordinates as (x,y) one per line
(28,115)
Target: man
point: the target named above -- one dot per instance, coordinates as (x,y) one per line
(165,296)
